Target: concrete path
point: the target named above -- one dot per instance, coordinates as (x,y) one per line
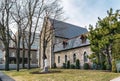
(116,79)
(4,77)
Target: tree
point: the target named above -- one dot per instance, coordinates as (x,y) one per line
(5,8)
(54,11)
(30,12)
(102,37)
(18,19)
(95,37)
(115,48)
(34,12)
(23,47)
(26,15)
(36,6)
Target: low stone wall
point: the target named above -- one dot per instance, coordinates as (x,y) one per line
(13,66)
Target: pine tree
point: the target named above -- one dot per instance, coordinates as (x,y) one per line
(103,35)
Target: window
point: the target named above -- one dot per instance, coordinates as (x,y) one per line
(64,44)
(13,54)
(85,57)
(65,58)
(58,59)
(74,57)
(83,38)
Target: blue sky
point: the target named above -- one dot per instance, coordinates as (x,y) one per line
(85,12)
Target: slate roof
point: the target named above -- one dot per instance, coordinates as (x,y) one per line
(72,43)
(66,30)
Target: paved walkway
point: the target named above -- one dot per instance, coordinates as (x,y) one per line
(4,77)
(116,79)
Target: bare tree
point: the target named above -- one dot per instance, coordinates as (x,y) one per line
(23,47)
(5,7)
(32,12)
(18,18)
(29,12)
(35,9)
(54,11)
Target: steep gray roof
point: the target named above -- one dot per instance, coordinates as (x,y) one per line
(67,30)
(72,43)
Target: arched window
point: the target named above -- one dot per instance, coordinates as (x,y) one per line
(65,58)
(85,57)
(74,57)
(58,59)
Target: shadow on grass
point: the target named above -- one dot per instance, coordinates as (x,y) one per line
(49,72)
(0,79)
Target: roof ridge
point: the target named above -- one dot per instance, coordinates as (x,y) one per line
(67,23)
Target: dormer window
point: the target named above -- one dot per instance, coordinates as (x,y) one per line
(64,44)
(83,38)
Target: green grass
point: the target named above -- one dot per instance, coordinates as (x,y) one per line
(63,75)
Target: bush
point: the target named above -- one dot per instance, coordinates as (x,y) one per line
(72,66)
(64,66)
(86,66)
(98,66)
(108,67)
(103,67)
(94,66)
(114,69)
(68,64)
(77,64)
(54,65)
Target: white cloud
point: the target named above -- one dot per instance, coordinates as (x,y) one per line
(75,13)
(71,11)
(85,12)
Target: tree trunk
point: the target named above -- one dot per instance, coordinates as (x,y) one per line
(108,57)
(7,35)
(23,55)
(99,60)
(18,59)
(23,58)
(18,51)
(29,55)
(6,58)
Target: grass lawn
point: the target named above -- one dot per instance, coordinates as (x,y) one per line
(62,75)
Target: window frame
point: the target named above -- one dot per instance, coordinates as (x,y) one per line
(74,57)
(58,59)
(65,58)
(85,57)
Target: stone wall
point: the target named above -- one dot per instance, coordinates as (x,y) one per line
(79,55)
(52,57)
(46,34)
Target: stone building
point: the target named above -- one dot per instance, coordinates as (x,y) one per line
(12,56)
(12,50)
(66,42)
